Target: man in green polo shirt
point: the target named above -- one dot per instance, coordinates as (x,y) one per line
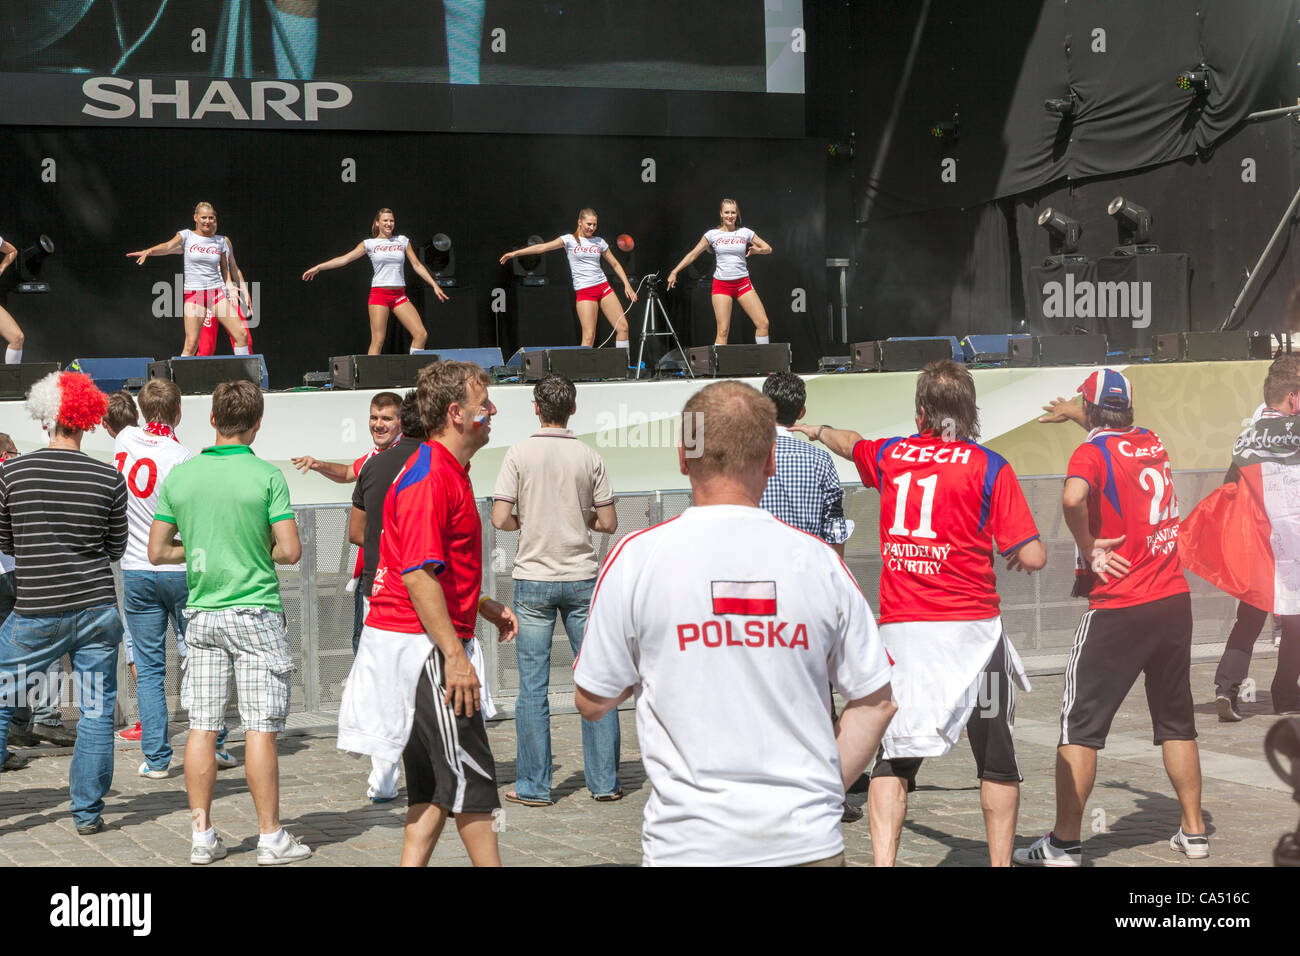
(232,512)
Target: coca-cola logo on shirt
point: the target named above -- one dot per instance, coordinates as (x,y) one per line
(587,250)
(199,250)
(389,247)
(722,241)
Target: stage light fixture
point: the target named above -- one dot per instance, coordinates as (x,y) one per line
(1133,223)
(1063,236)
(947,129)
(1064,105)
(530,270)
(29,264)
(1195,81)
(440,259)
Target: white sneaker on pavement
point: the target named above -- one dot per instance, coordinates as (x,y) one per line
(290,850)
(201,853)
(1195,845)
(1043,853)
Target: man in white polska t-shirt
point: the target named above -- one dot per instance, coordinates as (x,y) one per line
(730,627)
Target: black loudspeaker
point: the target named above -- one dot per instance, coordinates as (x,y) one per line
(1203,347)
(1058,350)
(578,365)
(199,376)
(736,361)
(900,355)
(454,323)
(378,371)
(15,380)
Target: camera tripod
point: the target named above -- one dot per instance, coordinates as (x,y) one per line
(648,327)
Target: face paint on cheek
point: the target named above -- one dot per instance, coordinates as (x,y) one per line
(481,418)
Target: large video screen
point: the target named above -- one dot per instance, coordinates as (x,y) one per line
(687,67)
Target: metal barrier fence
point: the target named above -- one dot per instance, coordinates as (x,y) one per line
(1040,615)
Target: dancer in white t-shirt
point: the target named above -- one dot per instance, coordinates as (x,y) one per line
(214,286)
(585,251)
(732,245)
(730,627)
(9,329)
(388,255)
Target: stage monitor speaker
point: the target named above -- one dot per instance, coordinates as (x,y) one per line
(578,365)
(1058,350)
(111,374)
(1266,345)
(954,347)
(988,348)
(740,361)
(196,375)
(484,358)
(16,380)
(378,371)
(1202,347)
(900,355)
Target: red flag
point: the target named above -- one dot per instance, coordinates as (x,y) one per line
(1226,541)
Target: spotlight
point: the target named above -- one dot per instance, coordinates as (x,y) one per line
(29,264)
(947,129)
(1134,225)
(1063,235)
(530,270)
(440,258)
(1195,81)
(1062,105)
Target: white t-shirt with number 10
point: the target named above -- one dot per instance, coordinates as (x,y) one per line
(731,626)
(144,458)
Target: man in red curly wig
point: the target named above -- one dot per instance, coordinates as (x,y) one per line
(63,518)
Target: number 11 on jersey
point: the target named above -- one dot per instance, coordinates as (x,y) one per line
(927,485)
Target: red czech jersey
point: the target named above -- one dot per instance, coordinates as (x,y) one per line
(1131,492)
(942,504)
(430,519)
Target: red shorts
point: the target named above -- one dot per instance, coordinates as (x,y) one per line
(388,296)
(732,287)
(594,293)
(208,298)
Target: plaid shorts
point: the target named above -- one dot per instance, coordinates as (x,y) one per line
(253,644)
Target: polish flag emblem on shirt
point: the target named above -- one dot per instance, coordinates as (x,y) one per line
(755,598)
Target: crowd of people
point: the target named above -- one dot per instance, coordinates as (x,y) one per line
(732,625)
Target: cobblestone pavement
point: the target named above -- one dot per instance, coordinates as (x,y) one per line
(1130,817)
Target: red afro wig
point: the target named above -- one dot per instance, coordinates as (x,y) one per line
(68,398)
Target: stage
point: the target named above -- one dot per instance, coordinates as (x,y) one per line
(1196,407)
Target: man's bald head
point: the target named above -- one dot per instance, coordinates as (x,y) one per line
(728,428)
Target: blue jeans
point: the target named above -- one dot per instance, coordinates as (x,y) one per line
(43,709)
(149,599)
(91,636)
(536,604)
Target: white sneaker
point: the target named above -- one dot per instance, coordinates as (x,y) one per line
(201,853)
(225,761)
(1043,853)
(152,774)
(1195,845)
(291,850)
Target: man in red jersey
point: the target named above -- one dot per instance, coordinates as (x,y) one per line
(943,501)
(413,691)
(1120,506)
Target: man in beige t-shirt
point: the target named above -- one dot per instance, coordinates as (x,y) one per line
(553,489)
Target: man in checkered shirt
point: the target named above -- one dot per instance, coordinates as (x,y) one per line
(805,491)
